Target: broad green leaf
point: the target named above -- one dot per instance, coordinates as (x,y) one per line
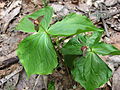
(90,71)
(72,24)
(94,38)
(27,25)
(115,52)
(37,54)
(105,49)
(73,46)
(69,59)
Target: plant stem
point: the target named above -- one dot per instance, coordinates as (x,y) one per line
(60,56)
(67,70)
(45,2)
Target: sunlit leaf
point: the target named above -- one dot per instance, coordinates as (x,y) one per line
(25,25)
(72,24)
(37,54)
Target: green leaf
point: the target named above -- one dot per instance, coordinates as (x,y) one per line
(115,52)
(73,46)
(94,38)
(37,54)
(72,24)
(69,59)
(51,85)
(27,25)
(90,71)
(105,49)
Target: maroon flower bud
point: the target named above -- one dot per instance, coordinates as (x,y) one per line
(84,48)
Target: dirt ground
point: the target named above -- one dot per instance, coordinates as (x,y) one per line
(12,74)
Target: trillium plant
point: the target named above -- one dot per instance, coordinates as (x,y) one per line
(81,53)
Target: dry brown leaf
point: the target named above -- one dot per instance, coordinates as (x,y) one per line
(116,80)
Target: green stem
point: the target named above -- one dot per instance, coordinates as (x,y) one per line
(45,2)
(60,56)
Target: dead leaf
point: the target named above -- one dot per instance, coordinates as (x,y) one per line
(110,2)
(10,13)
(116,80)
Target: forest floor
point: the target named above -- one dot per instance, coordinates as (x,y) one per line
(12,74)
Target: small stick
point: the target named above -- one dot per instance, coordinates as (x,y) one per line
(103,21)
(112,14)
(41,78)
(105,27)
(6,78)
(36,82)
(9,62)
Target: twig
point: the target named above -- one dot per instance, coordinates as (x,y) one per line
(8,62)
(43,83)
(104,23)
(6,78)
(105,27)
(111,14)
(36,82)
